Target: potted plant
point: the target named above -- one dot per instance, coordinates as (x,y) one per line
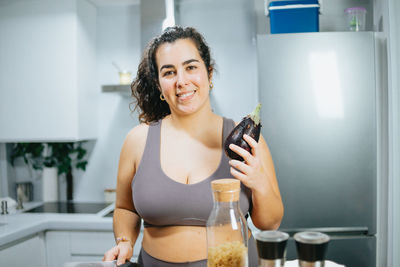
(36,157)
(45,156)
(49,175)
(67,157)
(31,153)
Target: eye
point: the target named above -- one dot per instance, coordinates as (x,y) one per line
(168,73)
(191,67)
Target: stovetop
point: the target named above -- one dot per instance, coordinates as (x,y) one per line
(69,207)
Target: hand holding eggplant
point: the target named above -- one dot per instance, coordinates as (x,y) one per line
(250,171)
(250,125)
(252,164)
(242,147)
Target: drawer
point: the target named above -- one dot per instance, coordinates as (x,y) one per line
(91,243)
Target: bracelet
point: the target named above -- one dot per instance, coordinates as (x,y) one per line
(123,239)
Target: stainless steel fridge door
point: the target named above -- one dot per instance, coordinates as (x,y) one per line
(318,114)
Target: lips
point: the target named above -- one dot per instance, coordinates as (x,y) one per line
(182,96)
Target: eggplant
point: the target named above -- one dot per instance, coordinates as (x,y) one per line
(249,125)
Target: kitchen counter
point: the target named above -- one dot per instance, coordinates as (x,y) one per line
(18,225)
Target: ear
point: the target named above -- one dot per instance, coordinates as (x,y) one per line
(211,71)
(158,86)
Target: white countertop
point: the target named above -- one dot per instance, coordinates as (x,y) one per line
(295,263)
(17,225)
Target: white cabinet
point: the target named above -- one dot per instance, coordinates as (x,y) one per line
(26,252)
(90,246)
(81,246)
(57,248)
(48,70)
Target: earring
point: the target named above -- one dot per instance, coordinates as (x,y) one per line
(162,97)
(211,85)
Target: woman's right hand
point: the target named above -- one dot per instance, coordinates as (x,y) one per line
(121,252)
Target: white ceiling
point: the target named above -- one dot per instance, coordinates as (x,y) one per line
(115,2)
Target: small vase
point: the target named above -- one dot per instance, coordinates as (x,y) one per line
(50,184)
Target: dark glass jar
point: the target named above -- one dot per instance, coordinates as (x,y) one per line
(271,247)
(311,248)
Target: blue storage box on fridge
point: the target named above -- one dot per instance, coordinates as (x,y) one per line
(294,16)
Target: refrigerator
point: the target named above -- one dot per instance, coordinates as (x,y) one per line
(319,119)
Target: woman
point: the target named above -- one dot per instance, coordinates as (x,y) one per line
(168,161)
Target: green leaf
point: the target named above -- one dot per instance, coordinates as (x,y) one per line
(81,165)
(64,156)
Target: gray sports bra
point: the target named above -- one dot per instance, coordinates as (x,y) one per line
(161,201)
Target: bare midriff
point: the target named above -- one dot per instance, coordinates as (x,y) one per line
(176,243)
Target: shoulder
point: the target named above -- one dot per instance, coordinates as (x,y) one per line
(135,142)
(137,133)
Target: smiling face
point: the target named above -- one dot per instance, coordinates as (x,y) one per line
(183,77)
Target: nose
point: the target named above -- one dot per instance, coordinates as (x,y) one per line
(181,79)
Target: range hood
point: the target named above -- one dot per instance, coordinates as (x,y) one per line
(156,15)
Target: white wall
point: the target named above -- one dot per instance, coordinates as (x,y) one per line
(3,171)
(118,39)
(393,9)
(386,21)
(381,25)
(87,94)
(229,28)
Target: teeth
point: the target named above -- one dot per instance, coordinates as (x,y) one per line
(186,94)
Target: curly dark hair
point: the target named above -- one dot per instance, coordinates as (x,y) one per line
(145,87)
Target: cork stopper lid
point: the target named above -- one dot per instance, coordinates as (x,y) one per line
(226,190)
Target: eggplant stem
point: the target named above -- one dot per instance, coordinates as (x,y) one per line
(255,115)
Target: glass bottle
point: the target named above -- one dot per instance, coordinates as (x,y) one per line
(226,227)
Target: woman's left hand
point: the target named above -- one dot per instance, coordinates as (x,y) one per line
(250,171)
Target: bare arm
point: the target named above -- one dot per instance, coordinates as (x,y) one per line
(126,223)
(257,172)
